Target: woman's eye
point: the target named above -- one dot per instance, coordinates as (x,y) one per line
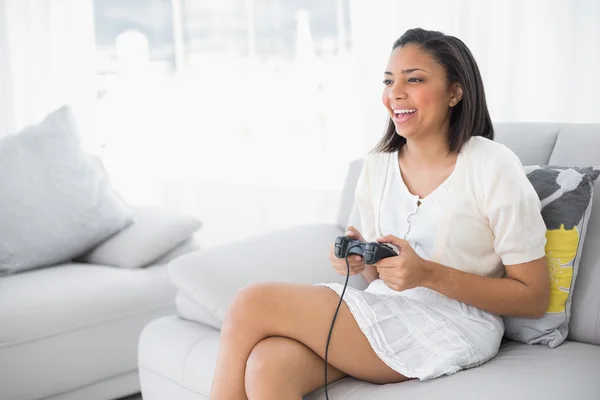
(415,80)
(387,82)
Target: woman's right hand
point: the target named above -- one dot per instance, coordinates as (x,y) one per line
(357,263)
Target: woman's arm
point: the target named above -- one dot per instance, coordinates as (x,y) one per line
(524,292)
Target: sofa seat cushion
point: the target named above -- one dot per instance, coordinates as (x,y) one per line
(74,329)
(181,351)
(51,301)
(184,353)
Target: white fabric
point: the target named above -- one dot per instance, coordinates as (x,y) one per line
(74,325)
(420,333)
(153,232)
(188,308)
(56,201)
(51,301)
(181,351)
(485,212)
(114,387)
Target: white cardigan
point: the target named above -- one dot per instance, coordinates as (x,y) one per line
(493,213)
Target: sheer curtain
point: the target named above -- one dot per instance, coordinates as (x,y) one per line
(539,58)
(7,117)
(47,60)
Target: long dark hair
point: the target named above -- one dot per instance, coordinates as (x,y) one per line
(470,117)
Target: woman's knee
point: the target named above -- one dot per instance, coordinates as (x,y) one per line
(247,305)
(269,366)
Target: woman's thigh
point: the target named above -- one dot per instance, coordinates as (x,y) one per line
(304,313)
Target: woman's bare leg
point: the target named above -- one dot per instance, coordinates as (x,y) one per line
(299,312)
(283,368)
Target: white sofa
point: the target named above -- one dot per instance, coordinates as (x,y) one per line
(177,353)
(70,331)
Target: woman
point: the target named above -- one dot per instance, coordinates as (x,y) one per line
(468,226)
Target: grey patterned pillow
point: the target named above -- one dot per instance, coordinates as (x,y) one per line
(56,201)
(566,197)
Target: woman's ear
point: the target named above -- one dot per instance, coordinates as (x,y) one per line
(456,94)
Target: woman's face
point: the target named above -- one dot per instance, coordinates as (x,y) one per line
(416,93)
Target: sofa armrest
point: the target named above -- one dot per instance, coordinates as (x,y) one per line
(211,277)
(153,233)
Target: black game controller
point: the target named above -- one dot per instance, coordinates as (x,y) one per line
(371,252)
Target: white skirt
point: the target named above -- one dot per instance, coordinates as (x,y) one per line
(420,333)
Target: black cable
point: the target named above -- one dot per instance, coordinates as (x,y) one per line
(335,316)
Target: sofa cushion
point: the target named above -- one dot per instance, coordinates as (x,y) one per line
(185,353)
(565,194)
(212,276)
(190,309)
(153,233)
(49,301)
(57,201)
(532,142)
(74,325)
(577,145)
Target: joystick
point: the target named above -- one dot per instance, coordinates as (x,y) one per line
(371,252)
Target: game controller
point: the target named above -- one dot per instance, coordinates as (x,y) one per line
(371,252)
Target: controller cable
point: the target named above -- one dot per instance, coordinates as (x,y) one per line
(335,315)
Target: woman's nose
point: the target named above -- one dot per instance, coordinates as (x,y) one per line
(398,93)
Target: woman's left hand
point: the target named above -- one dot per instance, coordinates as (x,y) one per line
(402,272)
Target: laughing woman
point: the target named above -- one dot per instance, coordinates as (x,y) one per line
(471,237)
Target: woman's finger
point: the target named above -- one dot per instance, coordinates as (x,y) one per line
(353,267)
(344,267)
(344,272)
(353,263)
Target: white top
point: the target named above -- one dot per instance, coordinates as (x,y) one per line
(484,216)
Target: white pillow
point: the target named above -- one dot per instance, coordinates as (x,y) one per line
(56,201)
(153,233)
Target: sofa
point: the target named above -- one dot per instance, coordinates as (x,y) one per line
(177,353)
(70,332)
(81,271)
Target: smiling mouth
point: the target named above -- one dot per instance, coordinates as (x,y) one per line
(403,115)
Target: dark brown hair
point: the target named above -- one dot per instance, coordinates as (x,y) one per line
(470,117)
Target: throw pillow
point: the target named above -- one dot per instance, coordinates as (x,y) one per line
(566,197)
(153,233)
(56,201)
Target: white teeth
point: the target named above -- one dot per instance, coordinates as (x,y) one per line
(408,111)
